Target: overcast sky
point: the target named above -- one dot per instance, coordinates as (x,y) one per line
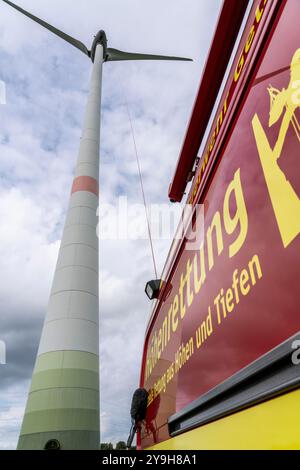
(40,126)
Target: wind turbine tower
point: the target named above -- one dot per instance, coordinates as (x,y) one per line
(62,410)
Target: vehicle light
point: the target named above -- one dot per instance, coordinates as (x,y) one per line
(152,289)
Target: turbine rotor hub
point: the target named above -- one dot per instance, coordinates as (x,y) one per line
(100,38)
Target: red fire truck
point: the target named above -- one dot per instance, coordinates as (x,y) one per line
(221,355)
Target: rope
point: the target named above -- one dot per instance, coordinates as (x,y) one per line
(142,189)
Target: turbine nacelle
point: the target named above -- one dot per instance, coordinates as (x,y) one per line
(100,38)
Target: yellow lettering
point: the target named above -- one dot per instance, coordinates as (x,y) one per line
(240,217)
(159,343)
(198,282)
(244,278)
(190,294)
(250,39)
(216,224)
(182,302)
(239,68)
(255,262)
(229,299)
(258,13)
(175,314)
(212,142)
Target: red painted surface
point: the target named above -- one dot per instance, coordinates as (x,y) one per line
(268,313)
(85,183)
(228,26)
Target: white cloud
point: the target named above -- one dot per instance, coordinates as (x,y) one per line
(12,404)
(25,250)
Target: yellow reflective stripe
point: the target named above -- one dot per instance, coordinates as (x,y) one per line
(271,425)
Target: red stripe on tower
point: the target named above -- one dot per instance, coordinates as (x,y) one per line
(85,183)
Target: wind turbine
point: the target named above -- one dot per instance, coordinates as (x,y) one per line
(62,410)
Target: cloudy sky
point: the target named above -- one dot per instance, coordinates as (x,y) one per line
(40,126)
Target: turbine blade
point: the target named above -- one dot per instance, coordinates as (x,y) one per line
(74,42)
(116,55)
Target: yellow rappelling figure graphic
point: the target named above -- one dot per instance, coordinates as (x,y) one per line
(285,201)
